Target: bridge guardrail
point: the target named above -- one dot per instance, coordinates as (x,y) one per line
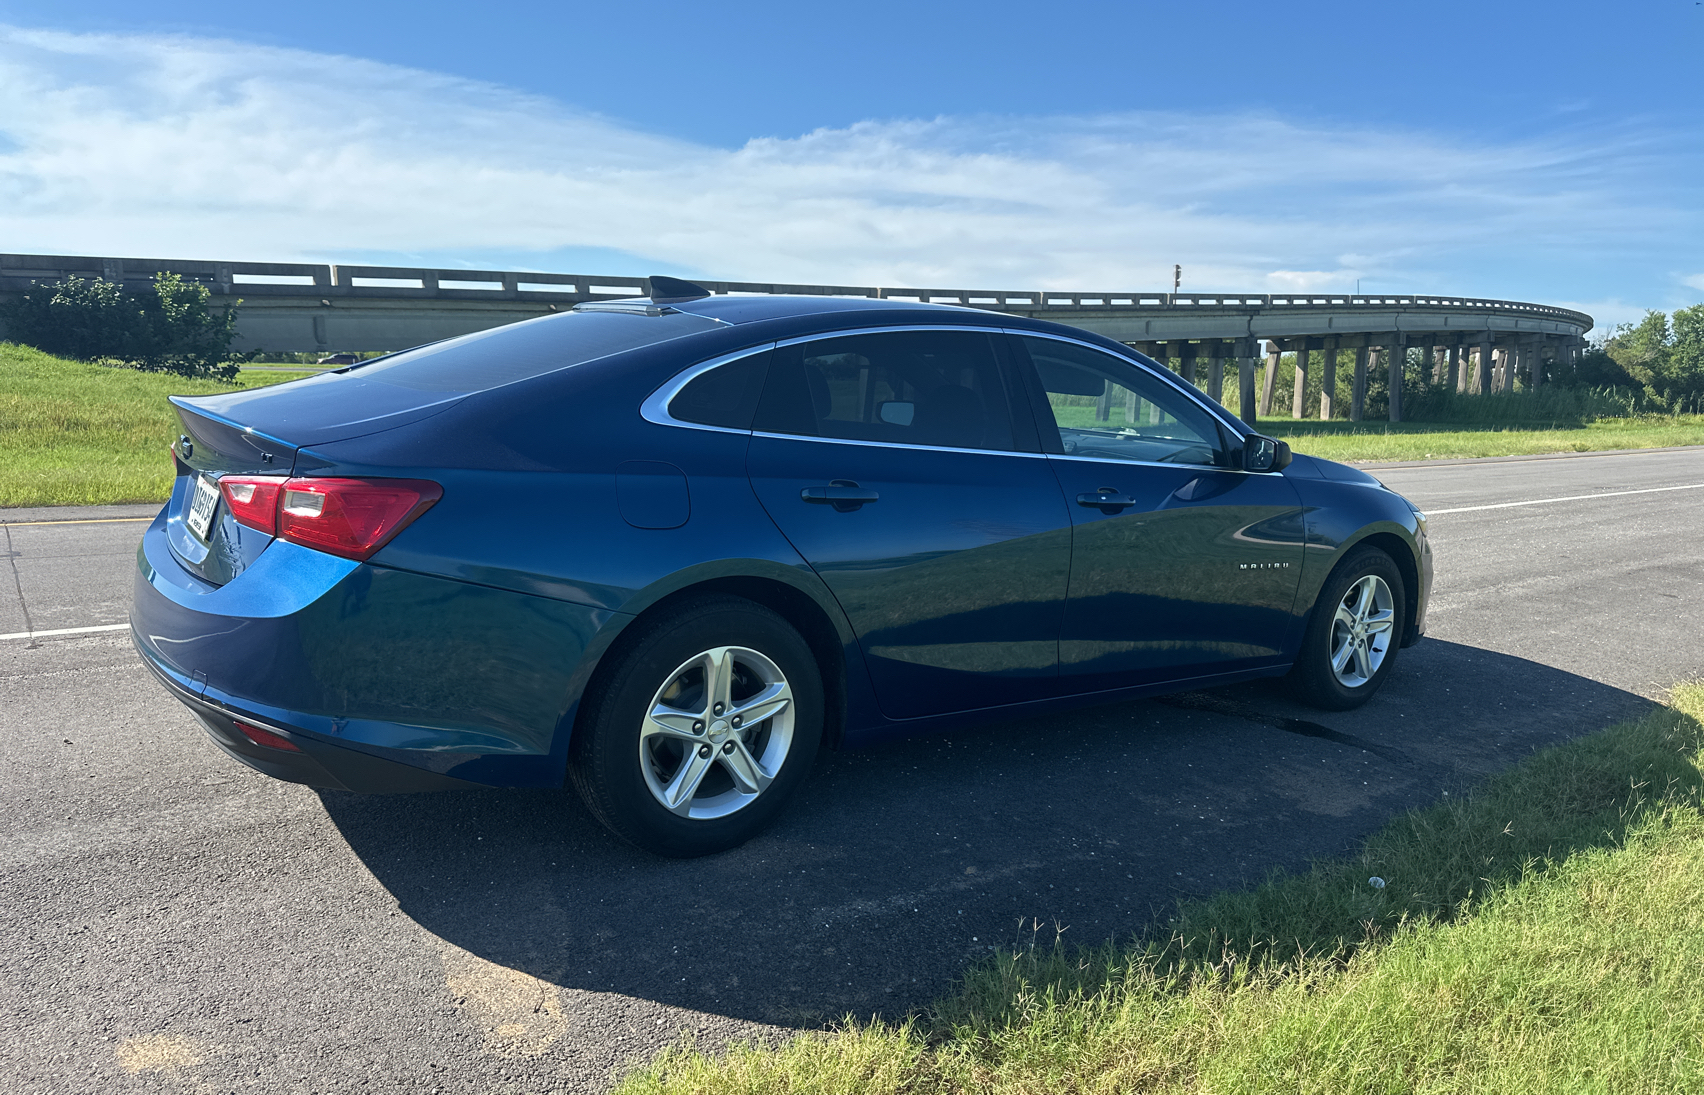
(287,279)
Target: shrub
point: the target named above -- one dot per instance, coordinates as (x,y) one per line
(169,328)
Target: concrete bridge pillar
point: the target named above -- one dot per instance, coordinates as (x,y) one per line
(1358,386)
(1397,351)
(1455,382)
(1216,376)
(1246,385)
(1486,365)
(1299,397)
(1328,380)
(1266,388)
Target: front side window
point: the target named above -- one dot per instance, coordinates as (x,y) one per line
(1107,408)
(935,388)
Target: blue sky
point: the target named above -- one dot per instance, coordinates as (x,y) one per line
(1545,152)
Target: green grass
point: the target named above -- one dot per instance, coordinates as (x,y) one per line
(79,434)
(1541,934)
(1368,441)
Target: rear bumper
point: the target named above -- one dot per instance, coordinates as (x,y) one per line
(318,764)
(386,680)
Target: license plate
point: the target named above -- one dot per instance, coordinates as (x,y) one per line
(201,510)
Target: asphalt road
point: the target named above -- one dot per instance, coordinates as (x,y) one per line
(170,920)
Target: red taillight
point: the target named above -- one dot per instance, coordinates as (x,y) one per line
(253,500)
(268,738)
(351,517)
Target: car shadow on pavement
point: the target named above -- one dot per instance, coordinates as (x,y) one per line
(900,865)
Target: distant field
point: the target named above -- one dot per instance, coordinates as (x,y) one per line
(76,434)
(1369,441)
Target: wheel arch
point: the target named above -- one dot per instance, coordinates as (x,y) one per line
(1401,553)
(778,589)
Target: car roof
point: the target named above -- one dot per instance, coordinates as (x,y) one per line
(751,309)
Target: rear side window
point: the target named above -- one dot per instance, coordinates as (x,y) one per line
(937,388)
(520,351)
(723,396)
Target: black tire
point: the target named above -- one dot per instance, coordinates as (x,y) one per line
(623,773)
(1313,679)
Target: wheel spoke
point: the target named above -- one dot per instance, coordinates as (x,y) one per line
(772,700)
(1364,602)
(678,794)
(1363,663)
(749,776)
(1341,657)
(719,678)
(1380,622)
(670,722)
(1345,617)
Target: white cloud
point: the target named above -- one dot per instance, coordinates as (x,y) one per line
(1696,281)
(197,148)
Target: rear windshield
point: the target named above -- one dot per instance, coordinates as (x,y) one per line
(520,351)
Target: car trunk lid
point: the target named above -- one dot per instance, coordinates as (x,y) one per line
(259,432)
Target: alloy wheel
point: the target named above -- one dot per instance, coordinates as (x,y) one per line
(717,732)
(1361,631)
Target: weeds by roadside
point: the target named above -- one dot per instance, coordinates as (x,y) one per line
(1539,934)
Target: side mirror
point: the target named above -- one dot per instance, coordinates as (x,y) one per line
(896,412)
(1262,453)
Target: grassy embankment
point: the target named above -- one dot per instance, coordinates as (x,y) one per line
(1542,934)
(77,434)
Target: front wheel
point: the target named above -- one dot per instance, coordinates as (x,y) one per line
(1353,634)
(707,723)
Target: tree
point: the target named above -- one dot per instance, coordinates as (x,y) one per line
(168,328)
(1666,358)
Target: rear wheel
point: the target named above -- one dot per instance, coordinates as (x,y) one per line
(704,728)
(1353,634)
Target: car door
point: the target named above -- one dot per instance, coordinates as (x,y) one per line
(1183,565)
(893,462)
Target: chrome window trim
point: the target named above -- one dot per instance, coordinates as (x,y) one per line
(901,445)
(655,409)
(1104,460)
(1220,415)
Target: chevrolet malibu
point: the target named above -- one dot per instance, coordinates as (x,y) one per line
(669,548)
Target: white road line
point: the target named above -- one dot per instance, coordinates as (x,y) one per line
(1570,498)
(79,521)
(63,631)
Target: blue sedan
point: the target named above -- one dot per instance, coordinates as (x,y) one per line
(669,548)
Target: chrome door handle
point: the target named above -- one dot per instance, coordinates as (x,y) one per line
(843,494)
(1106,500)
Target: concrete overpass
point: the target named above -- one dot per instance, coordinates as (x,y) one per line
(1473,344)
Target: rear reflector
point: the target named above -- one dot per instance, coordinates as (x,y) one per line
(253,500)
(351,517)
(268,738)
